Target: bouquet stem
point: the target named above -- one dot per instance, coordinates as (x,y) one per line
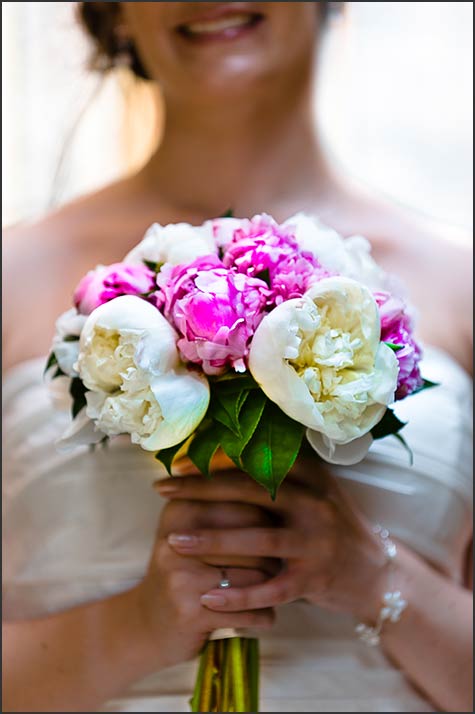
(228,676)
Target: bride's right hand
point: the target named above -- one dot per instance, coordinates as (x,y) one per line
(175,624)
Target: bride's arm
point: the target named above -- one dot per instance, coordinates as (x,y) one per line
(433,640)
(74,660)
(334,560)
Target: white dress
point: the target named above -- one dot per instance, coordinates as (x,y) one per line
(79,526)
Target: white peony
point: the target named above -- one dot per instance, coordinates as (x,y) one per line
(129,361)
(157,416)
(65,349)
(320,359)
(350,257)
(121,336)
(173,243)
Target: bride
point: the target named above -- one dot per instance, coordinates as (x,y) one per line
(110,586)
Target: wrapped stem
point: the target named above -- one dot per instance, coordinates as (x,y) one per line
(253,673)
(206,694)
(238,674)
(227,683)
(195,700)
(228,677)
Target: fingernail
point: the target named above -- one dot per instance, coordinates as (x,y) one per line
(182,540)
(166,487)
(213,600)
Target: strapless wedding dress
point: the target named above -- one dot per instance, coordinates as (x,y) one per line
(80,526)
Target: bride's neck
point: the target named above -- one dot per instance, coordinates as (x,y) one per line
(248,154)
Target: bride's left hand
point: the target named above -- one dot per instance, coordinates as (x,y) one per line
(329,553)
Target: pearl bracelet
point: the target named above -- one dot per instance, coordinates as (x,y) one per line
(393,603)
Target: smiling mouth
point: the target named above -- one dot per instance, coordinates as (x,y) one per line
(228,27)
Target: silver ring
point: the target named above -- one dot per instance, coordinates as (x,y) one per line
(225,581)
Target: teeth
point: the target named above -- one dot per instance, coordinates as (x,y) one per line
(226,23)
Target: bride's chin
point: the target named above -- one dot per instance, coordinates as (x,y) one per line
(232,79)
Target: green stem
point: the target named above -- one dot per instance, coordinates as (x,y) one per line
(218,676)
(207,682)
(253,674)
(226,672)
(238,675)
(245,673)
(195,700)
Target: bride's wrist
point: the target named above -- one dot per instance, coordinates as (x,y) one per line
(385,575)
(387,594)
(127,635)
(370,594)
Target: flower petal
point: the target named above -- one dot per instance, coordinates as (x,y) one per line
(320,360)
(145,338)
(269,367)
(174,243)
(342,454)
(81,432)
(67,354)
(183,398)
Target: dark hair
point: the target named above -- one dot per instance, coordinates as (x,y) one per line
(101,19)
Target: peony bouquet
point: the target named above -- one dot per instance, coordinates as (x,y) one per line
(245,336)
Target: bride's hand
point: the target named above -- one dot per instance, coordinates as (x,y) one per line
(176,624)
(331,556)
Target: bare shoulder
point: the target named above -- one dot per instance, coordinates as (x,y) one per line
(432,259)
(43,262)
(38,261)
(436,258)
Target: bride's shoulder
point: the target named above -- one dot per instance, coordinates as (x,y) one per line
(431,258)
(44,260)
(434,260)
(410,243)
(436,254)
(75,226)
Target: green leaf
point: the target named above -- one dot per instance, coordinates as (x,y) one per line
(166,456)
(273,448)
(389,424)
(426,384)
(249,417)
(224,415)
(77,391)
(51,362)
(234,381)
(156,267)
(228,214)
(240,401)
(225,407)
(265,276)
(406,446)
(203,447)
(394,347)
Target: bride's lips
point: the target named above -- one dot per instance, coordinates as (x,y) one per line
(222,23)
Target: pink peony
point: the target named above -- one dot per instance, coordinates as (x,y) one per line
(215,310)
(262,248)
(397,328)
(108,282)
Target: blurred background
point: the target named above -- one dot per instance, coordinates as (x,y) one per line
(395,103)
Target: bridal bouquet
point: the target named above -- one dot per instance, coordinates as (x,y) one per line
(245,336)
